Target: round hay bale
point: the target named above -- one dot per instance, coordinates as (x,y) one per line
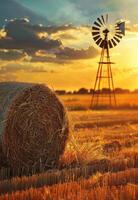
(36,128)
(1,154)
(3,160)
(8,91)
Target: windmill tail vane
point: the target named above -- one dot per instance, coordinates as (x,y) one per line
(106,36)
(121,26)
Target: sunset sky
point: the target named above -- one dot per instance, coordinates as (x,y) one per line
(49,41)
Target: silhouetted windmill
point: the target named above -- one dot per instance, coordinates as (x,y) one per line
(106,36)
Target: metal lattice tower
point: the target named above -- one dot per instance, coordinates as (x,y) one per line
(105,36)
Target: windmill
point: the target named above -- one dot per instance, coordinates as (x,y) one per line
(106,36)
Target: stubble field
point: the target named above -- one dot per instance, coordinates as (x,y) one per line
(82,102)
(100,161)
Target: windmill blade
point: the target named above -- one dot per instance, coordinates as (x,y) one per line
(95,28)
(99,20)
(118,31)
(96,37)
(110,44)
(113,42)
(117,28)
(117,40)
(118,36)
(106,18)
(97,24)
(103,19)
(95,33)
(99,41)
(121,26)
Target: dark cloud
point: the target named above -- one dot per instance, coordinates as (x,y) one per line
(66,55)
(73,54)
(14,68)
(22,29)
(12,55)
(30,45)
(22,35)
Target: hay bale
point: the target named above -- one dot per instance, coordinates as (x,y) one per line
(1,154)
(3,160)
(8,91)
(36,128)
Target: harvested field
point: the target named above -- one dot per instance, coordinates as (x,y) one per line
(100,161)
(82,102)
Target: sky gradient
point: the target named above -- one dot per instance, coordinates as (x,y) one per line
(62,53)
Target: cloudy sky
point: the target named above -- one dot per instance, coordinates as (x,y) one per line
(49,41)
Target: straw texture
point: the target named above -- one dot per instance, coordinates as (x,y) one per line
(36,128)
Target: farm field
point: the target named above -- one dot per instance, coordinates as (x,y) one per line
(100,161)
(82,102)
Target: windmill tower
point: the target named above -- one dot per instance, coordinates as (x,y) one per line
(106,36)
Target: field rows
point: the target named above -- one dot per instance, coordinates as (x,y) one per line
(100,162)
(112,186)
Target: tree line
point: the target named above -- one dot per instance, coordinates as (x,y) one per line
(91,91)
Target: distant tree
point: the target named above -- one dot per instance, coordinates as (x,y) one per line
(69,92)
(91,91)
(106,90)
(75,92)
(83,91)
(135,91)
(60,92)
(126,91)
(118,90)
(121,91)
